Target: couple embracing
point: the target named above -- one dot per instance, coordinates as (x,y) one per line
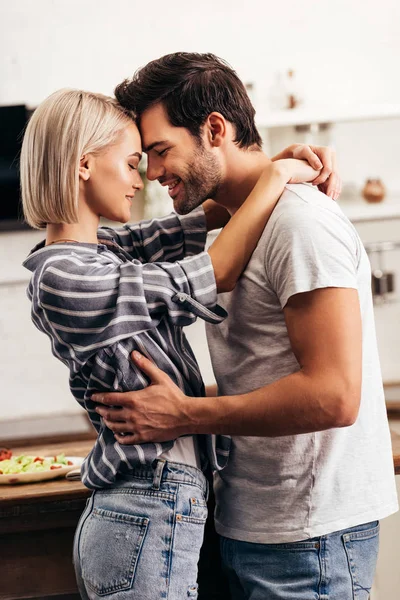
(296,437)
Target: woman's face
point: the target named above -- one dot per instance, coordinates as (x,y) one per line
(113,177)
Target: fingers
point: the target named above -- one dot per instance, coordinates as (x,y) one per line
(112,399)
(128,439)
(148,367)
(119,427)
(332,187)
(304,152)
(327,168)
(112,415)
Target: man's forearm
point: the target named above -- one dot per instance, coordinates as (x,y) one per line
(292,405)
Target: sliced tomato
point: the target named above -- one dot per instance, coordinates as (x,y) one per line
(55,467)
(5,454)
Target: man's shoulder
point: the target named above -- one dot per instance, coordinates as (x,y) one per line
(302,206)
(304,198)
(304,215)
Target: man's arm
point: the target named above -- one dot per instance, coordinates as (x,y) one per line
(324,328)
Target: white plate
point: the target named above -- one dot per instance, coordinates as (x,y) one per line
(42,475)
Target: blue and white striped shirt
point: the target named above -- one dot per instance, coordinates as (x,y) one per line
(98,302)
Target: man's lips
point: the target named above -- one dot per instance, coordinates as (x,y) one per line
(174,185)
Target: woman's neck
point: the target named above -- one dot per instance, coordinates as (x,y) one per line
(83,231)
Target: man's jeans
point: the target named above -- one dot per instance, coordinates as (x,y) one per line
(141,538)
(338,566)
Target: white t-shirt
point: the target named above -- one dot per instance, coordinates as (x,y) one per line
(286,489)
(185,451)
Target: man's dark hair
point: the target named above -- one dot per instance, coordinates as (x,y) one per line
(190,87)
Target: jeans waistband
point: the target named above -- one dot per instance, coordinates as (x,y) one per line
(163,471)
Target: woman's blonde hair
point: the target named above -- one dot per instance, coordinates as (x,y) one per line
(64,127)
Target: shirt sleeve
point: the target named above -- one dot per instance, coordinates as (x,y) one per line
(311,248)
(92,301)
(167,239)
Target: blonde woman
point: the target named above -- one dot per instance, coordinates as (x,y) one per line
(100,294)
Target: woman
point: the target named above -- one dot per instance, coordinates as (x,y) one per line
(100,294)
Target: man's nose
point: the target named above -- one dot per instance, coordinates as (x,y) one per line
(154,171)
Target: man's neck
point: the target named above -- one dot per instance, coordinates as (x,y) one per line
(243,171)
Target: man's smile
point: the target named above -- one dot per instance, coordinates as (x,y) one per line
(173,186)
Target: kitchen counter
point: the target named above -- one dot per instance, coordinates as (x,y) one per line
(37,525)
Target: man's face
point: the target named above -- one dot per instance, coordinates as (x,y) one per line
(178,160)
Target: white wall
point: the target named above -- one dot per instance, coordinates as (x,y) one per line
(343,51)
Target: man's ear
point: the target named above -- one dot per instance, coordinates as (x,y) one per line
(84,168)
(216,129)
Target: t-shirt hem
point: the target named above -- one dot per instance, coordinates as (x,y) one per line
(307,532)
(304,286)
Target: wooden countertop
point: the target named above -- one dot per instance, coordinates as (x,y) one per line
(63,489)
(55,489)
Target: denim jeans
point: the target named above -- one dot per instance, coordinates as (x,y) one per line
(338,566)
(141,539)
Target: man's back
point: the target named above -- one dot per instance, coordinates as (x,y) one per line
(290,488)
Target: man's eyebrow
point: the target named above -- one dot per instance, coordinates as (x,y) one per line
(136,154)
(153,145)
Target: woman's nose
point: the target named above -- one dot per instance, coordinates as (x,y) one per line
(138,184)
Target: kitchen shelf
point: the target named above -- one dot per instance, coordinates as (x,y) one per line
(359,210)
(308,116)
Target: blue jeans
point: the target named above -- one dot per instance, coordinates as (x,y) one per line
(141,539)
(338,566)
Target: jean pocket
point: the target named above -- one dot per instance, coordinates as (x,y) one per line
(198,508)
(110,546)
(362,552)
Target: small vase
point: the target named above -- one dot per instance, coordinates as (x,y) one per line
(374,190)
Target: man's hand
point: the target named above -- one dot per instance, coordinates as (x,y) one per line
(319,157)
(154,414)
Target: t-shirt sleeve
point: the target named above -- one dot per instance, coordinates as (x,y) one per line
(166,239)
(310,248)
(94,301)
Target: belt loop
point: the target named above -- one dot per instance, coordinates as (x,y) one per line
(158,471)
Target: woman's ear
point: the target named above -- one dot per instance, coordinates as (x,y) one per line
(84,170)
(216,129)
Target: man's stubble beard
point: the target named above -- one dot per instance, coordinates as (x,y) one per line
(203,180)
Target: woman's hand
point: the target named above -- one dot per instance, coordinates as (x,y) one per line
(296,171)
(321,158)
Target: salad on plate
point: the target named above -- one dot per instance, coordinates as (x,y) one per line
(25,468)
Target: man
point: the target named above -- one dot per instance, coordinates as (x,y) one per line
(310,471)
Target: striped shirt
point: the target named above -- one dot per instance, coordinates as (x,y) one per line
(98,302)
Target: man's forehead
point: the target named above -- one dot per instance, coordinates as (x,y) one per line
(155,127)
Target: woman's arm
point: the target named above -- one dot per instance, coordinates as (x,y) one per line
(319,157)
(234,246)
(165,239)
